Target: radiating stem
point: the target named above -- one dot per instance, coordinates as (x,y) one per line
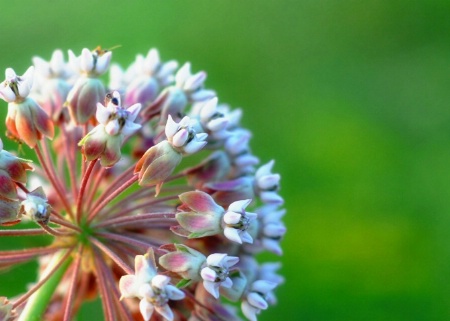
(133,219)
(111,196)
(73,285)
(83,186)
(40,294)
(112,255)
(53,180)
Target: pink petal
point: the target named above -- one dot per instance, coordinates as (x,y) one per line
(200,202)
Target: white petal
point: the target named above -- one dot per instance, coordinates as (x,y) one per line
(102,114)
(264,170)
(57,62)
(239,206)
(129,287)
(171,127)
(274,230)
(209,109)
(10,74)
(268,181)
(232,234)
(195,81)
(183,74)
(180,138)
(201,136)
(272,246)
(165,311)
(152,61)
(212,288)
(231,260)
(271,197)
(257,301)
(134,111)
(174,293)
(263,286)
(160,281)
(7,94)
(232,217)
(167,70)
(227,283)
(215,259)
(73,60)
(86,60)
(193,147)
(246,237)
(249,311)
(217,124)
(103,62)
(146,309)
(202,95)
(130,128)
(208,274)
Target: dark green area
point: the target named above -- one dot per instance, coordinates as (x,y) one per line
(352,100)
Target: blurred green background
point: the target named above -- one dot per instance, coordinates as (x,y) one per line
(352,100)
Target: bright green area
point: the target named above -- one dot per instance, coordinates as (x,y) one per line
(352,100)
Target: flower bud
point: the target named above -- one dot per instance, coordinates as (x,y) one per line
(200,216)
(184,261)
(157,165)
(36,206)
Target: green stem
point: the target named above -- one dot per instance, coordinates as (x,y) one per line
(39,301)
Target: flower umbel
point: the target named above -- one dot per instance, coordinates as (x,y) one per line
(112,191)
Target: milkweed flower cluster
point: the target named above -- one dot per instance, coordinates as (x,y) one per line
(126,218)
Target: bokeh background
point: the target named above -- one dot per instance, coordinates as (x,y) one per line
(352,100)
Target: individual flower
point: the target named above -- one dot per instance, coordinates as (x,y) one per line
(184,261)
(267,184)
(115,122)
(256,298)
(26,120)
(158,162)
(153,290)
(237,222)
(198,215)
(215,273)
(88,89)
(188,88)
(182,136)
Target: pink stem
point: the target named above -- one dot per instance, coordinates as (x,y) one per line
(84,182)
(134,218)
(110,197)
(72,286)
(53,180)
(112,255)
(107,303)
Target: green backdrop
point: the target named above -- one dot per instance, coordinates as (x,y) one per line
(351,98)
